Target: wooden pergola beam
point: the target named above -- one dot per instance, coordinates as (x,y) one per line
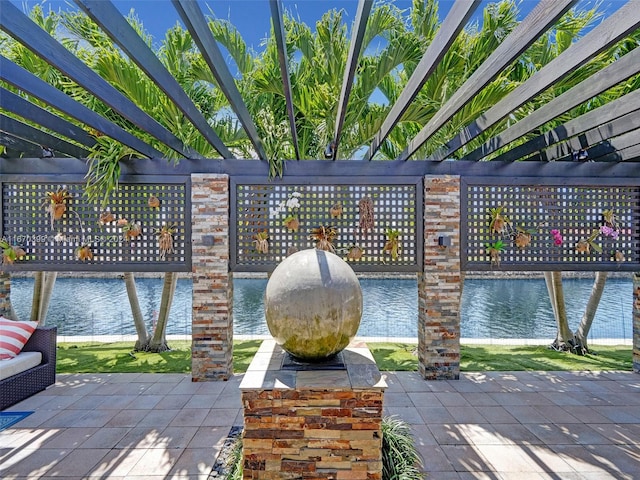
(109,19)
(613,132)
(620,107)
(611,30)
(355,46)
(539,20)
(621,150)
(279,33)
(44,139)
(29,83)
(17,105)
(197,25)
(617,72)
(29,34)
(14,143)
(447,33)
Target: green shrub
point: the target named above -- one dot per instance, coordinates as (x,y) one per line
(400,458)
(235,470)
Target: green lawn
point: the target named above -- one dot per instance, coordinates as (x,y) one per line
(119,358)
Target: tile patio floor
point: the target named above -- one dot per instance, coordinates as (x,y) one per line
(504,425)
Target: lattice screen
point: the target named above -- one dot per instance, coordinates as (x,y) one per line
(53,244)
(262,210)
(570,227)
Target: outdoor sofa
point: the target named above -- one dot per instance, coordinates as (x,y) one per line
(22,384)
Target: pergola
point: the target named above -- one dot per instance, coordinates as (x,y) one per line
(40,143)
(605,134)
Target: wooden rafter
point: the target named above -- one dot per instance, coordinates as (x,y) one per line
(197,25)
(14,143)
(610,31)
(617,72)
(451,26)
(279,34)
(29,83)
(44,139)
(613,132)
(108,18)
(543,16)
(357,38)
(620,149)
(23,29)
(17,105)
(597,119)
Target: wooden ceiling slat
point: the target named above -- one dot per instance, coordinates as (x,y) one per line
(611,30)
(355,46)
(616,151)
(29,34)
(451,26)
(109,19)
(539,20)
(612,132)
(13,103)
(29,83)
(31,134)
(197,25)
(279,33)
(620,107)
(14,143)
(617,72)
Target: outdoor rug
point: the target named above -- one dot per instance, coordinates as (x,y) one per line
(10,418)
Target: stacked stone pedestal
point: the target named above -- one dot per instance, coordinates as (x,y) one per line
(313,422)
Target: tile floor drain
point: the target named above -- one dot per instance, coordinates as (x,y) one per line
(222,466)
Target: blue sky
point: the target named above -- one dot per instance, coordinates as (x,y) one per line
(251,17)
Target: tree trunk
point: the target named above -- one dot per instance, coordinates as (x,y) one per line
(138,320)
(159,342)
(36,298)
(564,338)
(590,311)
(48,283)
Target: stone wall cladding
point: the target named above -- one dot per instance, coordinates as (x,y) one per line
(636,322)
(440,283)
(313,434)
(5,295)
(212,314)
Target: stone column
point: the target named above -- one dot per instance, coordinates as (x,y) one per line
(5,295)
(636,322)
(212,315)
(440,282)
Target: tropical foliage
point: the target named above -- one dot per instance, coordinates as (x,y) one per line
(394,43)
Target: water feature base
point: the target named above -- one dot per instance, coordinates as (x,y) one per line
(332,363)
(317,422)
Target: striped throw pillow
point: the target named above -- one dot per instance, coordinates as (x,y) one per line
(13,336)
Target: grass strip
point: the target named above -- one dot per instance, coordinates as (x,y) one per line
(119,358)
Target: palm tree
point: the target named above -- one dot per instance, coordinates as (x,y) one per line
(158,342)
(138,319)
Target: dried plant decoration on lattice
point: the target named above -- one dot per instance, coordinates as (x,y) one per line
(350,220)
(83,235)
(528,227)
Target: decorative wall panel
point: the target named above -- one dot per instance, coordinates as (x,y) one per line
(144,227)
(375,226)
(550,227)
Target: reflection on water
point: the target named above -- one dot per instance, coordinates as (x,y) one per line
(490,308)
